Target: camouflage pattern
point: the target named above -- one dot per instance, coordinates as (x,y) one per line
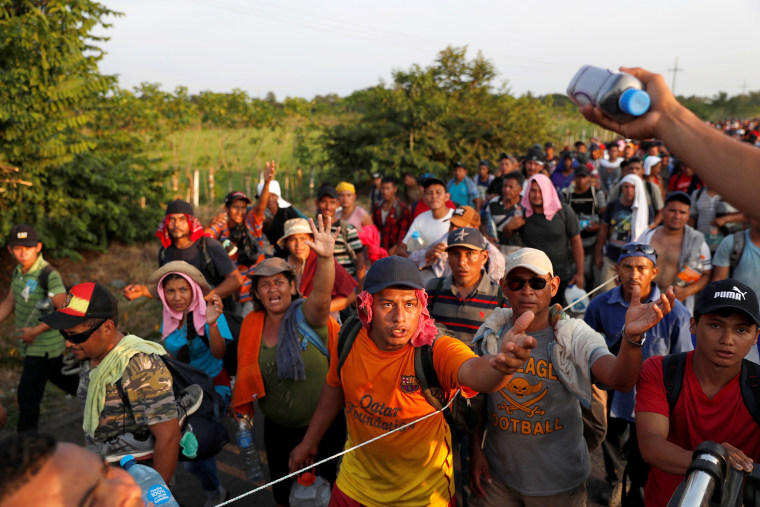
(148,385)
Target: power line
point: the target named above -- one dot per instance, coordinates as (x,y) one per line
(674,69)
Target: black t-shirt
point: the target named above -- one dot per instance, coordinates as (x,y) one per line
(276,228)
(193,255)
(553,237)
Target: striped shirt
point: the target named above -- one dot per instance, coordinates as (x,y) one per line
(461,318)
(347,237)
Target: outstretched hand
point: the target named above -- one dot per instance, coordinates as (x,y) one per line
(641,318)
(515,347)
(645,126)
(323,243)
(269,170)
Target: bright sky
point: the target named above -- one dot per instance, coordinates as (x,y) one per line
(305,48)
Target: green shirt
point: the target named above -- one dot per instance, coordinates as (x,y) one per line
(26,293)
(292,403)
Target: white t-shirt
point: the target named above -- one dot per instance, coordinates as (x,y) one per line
(430,228)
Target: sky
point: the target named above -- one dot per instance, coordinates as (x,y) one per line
(302,48)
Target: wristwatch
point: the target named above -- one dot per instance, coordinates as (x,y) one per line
(639,344)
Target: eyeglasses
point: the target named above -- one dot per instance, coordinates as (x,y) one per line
(78,338)
(637,247)
(516,284)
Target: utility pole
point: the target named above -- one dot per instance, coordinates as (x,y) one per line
(744,87)
(675,69)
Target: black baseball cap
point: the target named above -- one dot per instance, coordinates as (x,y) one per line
(535,154)
(327,189)
(390,271)
(23,235)
(678,196)
(83,302)
(432,180)
(235,196)
(728,294)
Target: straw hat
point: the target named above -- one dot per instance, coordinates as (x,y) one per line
(176,267)
(294,226)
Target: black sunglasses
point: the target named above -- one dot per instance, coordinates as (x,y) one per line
(535,283)
(638,247)
(78,338)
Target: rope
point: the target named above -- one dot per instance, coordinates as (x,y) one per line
(411,423)
(589,293)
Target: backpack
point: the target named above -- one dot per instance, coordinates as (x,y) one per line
(673,368)
(206,423)
(464,419)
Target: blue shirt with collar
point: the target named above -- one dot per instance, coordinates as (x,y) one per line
(606,314)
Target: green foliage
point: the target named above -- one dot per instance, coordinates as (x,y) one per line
(721,106)
(70,169)
(430,118)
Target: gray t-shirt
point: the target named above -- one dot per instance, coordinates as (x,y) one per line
(535,439)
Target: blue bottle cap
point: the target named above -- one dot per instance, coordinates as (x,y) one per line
(634,102)
(126,459)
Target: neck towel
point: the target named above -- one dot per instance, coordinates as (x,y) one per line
(108,372)
(640,215)
(173,318)
(196,230)
(552,204)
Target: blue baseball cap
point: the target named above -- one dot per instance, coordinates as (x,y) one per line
(638,250)
(390,271)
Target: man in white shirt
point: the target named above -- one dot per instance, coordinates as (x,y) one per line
(431,224)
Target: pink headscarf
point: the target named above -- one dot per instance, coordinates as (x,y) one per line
(173,318)
(424,334)
(552,204)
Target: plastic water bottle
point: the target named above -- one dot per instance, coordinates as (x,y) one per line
(309,491)
(573,293)
(415,242)
(251,459)
(154,489)
(619,95)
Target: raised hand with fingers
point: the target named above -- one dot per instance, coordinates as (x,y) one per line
(270,168)
(641,318)
(515,347)
(323,243)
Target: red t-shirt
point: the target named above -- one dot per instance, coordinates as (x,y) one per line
(695,419)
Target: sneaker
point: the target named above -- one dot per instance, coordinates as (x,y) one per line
(188,401)
(129,443)
(220,496)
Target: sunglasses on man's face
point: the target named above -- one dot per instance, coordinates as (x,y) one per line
(79,338)
(536,283)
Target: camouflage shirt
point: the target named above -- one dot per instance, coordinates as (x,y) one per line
(148,386)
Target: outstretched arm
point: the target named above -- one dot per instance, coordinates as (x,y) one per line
(261,205)
(622,372)
(316,309)
(724,164)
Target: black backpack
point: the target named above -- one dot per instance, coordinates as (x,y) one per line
(206,423)
(673,368)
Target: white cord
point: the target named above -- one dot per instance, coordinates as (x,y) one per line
(341,453)
(588,294)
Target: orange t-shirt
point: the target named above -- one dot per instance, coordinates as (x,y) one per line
(412,467)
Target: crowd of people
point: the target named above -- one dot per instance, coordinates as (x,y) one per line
(446,289)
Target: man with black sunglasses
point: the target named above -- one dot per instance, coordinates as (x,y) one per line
(534,451)
(637,267)
(88,321)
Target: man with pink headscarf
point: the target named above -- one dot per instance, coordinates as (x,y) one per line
(553,227)
(378,388)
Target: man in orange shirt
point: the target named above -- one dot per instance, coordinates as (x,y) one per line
(379,390)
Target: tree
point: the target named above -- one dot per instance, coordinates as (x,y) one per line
(429,118)
(54,129)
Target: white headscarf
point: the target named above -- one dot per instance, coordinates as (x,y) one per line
(640,216)
(274,188)
(649,163)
